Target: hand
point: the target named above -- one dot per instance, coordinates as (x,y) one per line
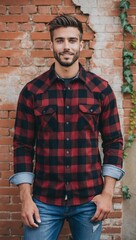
(29,213)
(103,206)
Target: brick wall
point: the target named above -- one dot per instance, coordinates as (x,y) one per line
(127,45)
(24,54)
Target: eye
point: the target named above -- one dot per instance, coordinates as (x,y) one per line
(59,40)
(73,40)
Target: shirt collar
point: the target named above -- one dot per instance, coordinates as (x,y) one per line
(53,77)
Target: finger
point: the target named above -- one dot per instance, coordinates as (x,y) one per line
(32,222)
(37,216)
(96,216)
(25,221)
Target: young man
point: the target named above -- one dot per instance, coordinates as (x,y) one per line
(61,114)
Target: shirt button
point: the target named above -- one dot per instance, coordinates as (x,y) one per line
(67,152)
(67,183)
(67,123)
(67,139)
(67,107)
(68,88)
(91,110)
(67,166)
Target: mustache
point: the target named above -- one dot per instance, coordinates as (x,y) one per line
(66,52)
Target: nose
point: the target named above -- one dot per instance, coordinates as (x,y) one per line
(66,44)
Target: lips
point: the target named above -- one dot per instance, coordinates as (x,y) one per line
(66,53)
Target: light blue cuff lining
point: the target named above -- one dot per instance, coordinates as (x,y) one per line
(112,171)
(22,177)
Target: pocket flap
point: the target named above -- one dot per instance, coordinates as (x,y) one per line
(91,109)
(45,110)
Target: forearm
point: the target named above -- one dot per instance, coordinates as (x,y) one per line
(25,191)
(109,185)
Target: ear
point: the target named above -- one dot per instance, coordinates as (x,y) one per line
(81,45)
(51,46)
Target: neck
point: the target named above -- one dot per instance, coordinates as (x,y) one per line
(67,72)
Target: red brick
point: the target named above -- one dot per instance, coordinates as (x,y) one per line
(4,166)
(26,61)
(44,9)
(4,131)
(68,2)
(5,157)
(86,53)
(55,10)
(9,238)
(14,62)
(14,18)
(40,36)
(4,44)
(3,61)
(12,114)
(8,70)
(88,36)
(8,107)
(43,18)
(26,27)
(9,191)
(40,44)
(6,123)
(3,114)
(47,2)
(2,27)
(111,230)
(6,174)
(14,9)
(41,53)
(4,216)
(2,9)
(39,27)
(13,27)
(82,18)
(133,3)
(11,53)
(67,10)
(14,2)
(4,149)
(11,35)
(131,11)
(6,141)
(16,216)
(15,44)
(118,62)
(115,214)
(30,9)
(3,183)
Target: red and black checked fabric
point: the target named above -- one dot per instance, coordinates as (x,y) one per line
(60,125)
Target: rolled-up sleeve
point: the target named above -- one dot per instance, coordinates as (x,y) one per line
(23,177)
(112,141)
(112,171)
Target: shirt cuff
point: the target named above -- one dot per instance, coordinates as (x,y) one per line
(22,177)
(112,171)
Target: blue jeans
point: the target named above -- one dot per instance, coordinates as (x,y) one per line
(53,217)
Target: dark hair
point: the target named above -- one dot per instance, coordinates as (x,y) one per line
(65,21)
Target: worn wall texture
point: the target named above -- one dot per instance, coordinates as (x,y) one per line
(24,54)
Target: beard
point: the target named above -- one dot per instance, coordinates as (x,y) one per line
(66,63)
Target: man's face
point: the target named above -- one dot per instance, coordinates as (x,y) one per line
(66,45)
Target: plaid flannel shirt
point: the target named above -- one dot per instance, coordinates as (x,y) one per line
(60,126)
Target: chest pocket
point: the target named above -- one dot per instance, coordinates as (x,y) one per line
(89,116)
(46,116)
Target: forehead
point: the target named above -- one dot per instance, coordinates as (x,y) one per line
(66,32)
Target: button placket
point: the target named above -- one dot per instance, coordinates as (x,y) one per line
(67,142)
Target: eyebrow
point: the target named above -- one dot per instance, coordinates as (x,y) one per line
(64,38)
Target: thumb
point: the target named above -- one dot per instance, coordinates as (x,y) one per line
(37,215)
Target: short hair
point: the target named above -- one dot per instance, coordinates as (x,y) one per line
(65,20)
